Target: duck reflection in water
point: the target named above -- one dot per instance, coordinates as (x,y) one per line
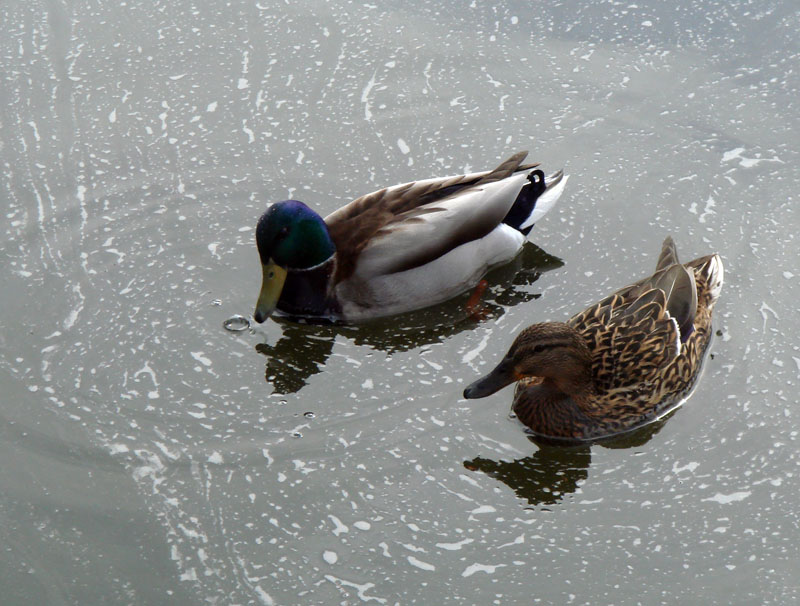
(303,349)
(556,470)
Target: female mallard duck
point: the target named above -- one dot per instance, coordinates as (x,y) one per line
(620,364)
(400,248)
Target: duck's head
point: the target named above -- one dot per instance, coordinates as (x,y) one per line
(290,237)
(551,350)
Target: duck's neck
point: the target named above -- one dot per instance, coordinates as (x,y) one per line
(573,376)
(563,402)
(549,411)
(307,292)
(575,381)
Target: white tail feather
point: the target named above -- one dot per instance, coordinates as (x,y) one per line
(716,276)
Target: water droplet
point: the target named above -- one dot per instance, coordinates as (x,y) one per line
(297,434)
(309,415)
(236,323)
(216,302)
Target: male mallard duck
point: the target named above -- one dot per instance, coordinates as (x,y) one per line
(400,248)
(620,364)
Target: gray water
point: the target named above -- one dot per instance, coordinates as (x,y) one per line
(149,456)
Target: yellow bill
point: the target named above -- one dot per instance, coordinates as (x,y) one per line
(273,277)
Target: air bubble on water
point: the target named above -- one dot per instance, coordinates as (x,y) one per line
(309,415)
(297,434)
(236,323)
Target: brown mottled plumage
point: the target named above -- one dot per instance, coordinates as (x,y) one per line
(623,362)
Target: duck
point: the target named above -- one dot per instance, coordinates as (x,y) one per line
(400,248)
(624,362)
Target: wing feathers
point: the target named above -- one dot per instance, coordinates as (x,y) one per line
(638,331)
(423,234)
(507,168)
(679,287)
(410,224)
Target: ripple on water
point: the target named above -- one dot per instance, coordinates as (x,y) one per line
(236,323)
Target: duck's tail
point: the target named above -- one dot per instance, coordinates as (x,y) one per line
(535,199)
(709,271)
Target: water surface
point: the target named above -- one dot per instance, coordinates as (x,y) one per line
(152,457)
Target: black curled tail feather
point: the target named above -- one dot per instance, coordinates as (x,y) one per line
(526,201)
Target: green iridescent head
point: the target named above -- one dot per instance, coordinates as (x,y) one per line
(290,236)
(293,236)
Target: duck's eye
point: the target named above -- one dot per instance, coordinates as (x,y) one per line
(539,348)
(283,231)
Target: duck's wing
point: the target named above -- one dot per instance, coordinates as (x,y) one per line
(395,200)
(639,330)
(637,341)
(678,284)
(675,280)
(424,234)
(407,225)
